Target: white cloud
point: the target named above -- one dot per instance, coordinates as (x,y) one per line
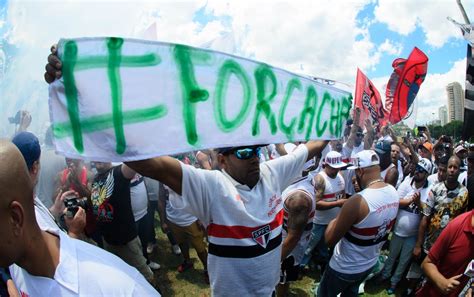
(432,94)
(391,48)
(323,36)
(403,16)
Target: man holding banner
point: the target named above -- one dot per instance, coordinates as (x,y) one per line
(240,205)
(242,209)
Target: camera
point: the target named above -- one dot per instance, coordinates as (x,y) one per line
(16,119)
(73,203)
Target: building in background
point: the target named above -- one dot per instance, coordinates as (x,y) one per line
(455,102)
(443,115)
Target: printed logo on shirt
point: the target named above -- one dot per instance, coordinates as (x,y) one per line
(101,191)
(383,230)
(262,235)
(23,294)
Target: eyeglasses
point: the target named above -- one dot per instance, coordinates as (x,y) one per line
(359,134)
(247,153)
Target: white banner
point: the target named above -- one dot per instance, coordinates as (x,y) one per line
(122,99)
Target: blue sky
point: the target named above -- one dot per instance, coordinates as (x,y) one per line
(441,59)
(321,38)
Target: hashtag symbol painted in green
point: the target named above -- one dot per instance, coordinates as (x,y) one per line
(112,62)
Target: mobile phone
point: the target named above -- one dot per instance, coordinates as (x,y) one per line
(421,129)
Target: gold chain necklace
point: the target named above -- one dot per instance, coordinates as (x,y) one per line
(373,182)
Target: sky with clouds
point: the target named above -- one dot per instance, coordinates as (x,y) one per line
(328,39)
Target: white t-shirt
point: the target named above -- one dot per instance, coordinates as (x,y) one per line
(408,218)
(83,270)
(138,197)
(348,174)
(175,215)
(400,173)
(44,218)
(244,225)
(433,179)
(462,178)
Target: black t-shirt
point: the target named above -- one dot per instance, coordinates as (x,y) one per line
(112,207)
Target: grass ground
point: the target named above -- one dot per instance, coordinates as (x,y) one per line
(191,282)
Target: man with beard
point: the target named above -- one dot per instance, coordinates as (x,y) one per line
(360,229)
(412,192)
(330,197)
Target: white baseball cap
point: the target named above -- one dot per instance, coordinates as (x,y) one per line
(363,159)
(334,159)
(425,164)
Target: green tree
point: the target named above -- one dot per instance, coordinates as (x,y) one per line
(453,129)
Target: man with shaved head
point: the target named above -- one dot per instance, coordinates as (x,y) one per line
(49,263)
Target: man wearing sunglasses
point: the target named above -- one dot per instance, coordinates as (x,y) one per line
(242,209)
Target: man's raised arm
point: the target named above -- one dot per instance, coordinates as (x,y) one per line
(164,169)
(315,147)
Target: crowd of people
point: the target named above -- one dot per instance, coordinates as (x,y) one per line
(257,216)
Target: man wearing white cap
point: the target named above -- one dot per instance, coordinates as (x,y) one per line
(360,229)
(330,197)
(412,192)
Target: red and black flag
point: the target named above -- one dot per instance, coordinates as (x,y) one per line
(368,99)
(404,84)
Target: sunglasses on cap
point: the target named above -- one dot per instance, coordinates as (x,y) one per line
(420,169)
(246,153)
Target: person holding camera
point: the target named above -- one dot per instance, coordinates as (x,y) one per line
(29,147)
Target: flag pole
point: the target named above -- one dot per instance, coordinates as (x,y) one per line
(463,12)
